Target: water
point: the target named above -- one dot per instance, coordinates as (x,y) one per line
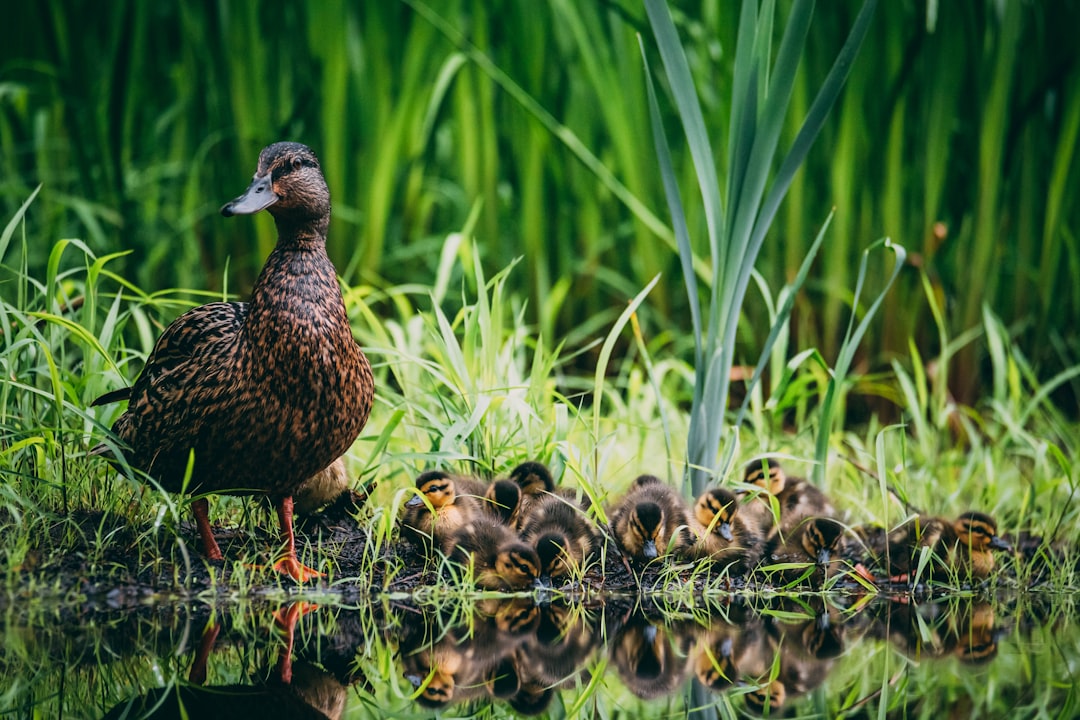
(808,656)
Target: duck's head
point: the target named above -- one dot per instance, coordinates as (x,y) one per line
(978,531)
(646,528)
(551,552)
(767,475)
(716,508)
(820,539)
(533,478)
(517,565)
(504,496)
(288,184)
(435,485)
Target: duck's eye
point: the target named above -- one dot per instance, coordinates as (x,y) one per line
(297,163)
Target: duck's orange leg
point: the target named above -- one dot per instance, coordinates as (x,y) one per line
(289,564)
(201,508)
(286,619)
(197,674)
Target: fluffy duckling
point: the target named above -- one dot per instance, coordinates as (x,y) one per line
(328,488)
(796,498)
(503,500)
(650,519)
(563,536)
(963,545)
(727,533)
(264,393)
(815,541)
(448,506)
(499,559)
(536,483)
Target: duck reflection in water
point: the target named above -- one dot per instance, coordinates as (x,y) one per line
(510,650)
(652,659)
(295,688)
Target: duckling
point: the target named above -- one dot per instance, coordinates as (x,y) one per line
(502,499)
(815,541)
(796,498)
(449,509)
(563,536)
(727,534)
(499,560)
(650,518)
(326,489)
(536,483)
(963,545)
(263,394)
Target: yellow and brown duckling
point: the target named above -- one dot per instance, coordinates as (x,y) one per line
(815,542)
(963,545)
(796,498)
(564,538)
(266,393)
(728,533)
(497,556)
(650,520)
(443,503)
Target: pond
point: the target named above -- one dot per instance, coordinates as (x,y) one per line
(619,655)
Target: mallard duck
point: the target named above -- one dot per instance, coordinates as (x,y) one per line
(498,558)
(651,519)
(796,498)
(963,545)
(727,533)
(815,541)
(264,394)
(449,505)
(564,538)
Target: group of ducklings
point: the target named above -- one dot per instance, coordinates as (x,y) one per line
(524,531)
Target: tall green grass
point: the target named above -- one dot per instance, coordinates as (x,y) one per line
(140,123)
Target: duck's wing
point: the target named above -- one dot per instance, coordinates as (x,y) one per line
(196,346)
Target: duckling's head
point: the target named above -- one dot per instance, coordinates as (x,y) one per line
(645,530)
(766,474)
(504,496)
(533,478)
(435,485)
(716,508)
(517,565)
(820,539)
(978,531)
(551,552)
(288,183)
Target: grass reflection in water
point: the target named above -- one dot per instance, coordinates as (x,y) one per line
(810,655)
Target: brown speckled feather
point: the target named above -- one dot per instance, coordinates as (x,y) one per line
(269,392)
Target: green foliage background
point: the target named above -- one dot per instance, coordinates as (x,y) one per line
(956,136)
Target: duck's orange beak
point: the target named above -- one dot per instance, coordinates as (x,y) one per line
(259,195)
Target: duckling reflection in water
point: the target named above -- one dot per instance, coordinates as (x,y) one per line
(651,660)
(651,519)
(555,656)
(728,533)
(733,652)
